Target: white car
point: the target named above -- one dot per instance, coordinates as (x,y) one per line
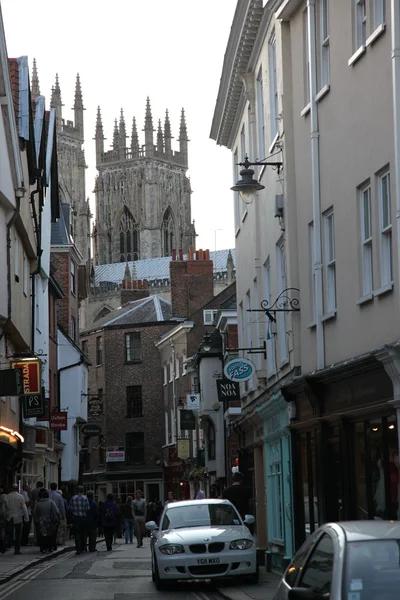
(202,539)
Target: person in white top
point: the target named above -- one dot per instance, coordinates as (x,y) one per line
(199,493)
(16,512)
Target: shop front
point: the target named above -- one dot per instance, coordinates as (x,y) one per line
(11,443)
(344,440)
(275,414)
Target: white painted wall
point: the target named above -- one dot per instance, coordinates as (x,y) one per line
(209,397)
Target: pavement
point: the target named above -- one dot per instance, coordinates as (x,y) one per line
(133,577)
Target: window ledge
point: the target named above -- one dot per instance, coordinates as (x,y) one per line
(365,299)
(358,54)
(306,110)
(283,363)
(133,362)
(329,316)
(244,215)
(237,232)
(311,325)
(384,289)
(100,365)
(271,374)
(375,34)
(323,91)
(272,146)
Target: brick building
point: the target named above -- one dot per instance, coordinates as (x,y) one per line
(125,395)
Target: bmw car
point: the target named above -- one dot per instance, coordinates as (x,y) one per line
(351,560)
(202,539)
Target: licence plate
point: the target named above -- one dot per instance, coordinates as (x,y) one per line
(207,561)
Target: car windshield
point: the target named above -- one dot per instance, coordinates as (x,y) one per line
(373,570)
(200,515)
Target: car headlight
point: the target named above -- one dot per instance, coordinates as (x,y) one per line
(241,545)
(172,549)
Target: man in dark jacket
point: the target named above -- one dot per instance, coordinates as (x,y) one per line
(239,494)
(93,521)
(110,516)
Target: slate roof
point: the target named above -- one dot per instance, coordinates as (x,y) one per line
(59,230)
(154,268)
(146,310)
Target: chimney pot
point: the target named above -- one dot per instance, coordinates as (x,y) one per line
(190,252)
(145,284)
(140,284)
(200,255)
(123,284)
(173,254)
(180,252)
(206,255)
(134,284)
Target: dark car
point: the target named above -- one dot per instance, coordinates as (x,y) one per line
(353,560)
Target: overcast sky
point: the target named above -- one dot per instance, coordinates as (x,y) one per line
(124,51)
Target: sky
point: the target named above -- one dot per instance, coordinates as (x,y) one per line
(124,51)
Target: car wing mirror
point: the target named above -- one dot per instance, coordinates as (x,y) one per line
(299,593)
(151,526)
(249,520)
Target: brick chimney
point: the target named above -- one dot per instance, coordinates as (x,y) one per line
(134,290)
(192,282)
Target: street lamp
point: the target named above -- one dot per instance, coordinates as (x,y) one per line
(247,186)
(206,343)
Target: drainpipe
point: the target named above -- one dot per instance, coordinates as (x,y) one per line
(315,178)
(395,5)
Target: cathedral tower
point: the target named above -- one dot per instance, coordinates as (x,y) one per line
(142,192)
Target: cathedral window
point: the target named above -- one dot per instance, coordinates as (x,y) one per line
(168,228)
(128,238)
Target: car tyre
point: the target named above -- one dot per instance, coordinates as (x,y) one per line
(254,578)
(158,582)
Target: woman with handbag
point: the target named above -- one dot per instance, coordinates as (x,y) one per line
(47,518)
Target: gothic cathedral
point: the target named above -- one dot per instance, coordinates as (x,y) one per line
(142,193)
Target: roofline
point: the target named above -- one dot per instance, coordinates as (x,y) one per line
(87,332)
(227,314)
(181,328)
(85,361)
(288,8)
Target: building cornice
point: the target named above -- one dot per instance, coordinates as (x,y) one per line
(288,8)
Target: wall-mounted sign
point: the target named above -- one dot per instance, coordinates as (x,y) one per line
(184,448)
(91,429)
(11,383)
(188,420)
(34,405)
(30,376)
(228,390)
(193,401)
(239,369)
(115,454)
(95,406)
(59,421)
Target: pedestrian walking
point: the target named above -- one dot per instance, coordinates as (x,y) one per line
(79,508)
(26,528)
(93,519)
(199,494)
(170,498)
(129,520)
(46,517)
(239,494)
(59,502)
(34,498)
(139,510)
(109,519)
(16,512)
(3,518)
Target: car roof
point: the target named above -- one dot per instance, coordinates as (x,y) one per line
(182,503)
(357,531)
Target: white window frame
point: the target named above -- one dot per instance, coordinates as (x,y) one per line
(171,371)
(16,254)
(236,199)
(330,262)
(260,115)
(273,88)
(325,42)
(73,277)
(306,59)
(281,316)
(312,278)
(209,316)
(275,480)
(385,228)
(26,274)
(177,369)
(250,133)
(166,421)
(271,359)
(360,23)
(379,7)
(165,374)
(367,271)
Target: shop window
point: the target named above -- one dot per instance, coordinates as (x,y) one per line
(275,491)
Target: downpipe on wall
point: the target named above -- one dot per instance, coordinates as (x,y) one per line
(316,187)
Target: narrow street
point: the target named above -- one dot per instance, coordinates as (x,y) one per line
(123,574)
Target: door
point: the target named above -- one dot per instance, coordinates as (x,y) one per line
(152,492)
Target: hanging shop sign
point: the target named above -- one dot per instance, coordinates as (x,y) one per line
(193,401)
(11,383)
(188,420)
(95,406)
(239,369)
(184,448)
(31,382)
(228,390)
(59,421)
(115,454)
(34,405)
(91,429)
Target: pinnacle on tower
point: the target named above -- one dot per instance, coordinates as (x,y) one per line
(183,137)
(116,136)
(99,134)
(167,134)
(78,103)
(127,276)
(148,121)
(148,130)
(134,139)
(160,141)
(35,81)
(57,103)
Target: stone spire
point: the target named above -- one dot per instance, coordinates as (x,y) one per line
(99,137)
(183,138)
(127,276)
(116,137)
(35,81)
(160,141)
(148,130)
(230,267)
(167,135)
(122,136)
(78,106)
(56,103)
(134,139)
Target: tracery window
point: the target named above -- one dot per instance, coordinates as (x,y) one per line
(168,227)
(128,237)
